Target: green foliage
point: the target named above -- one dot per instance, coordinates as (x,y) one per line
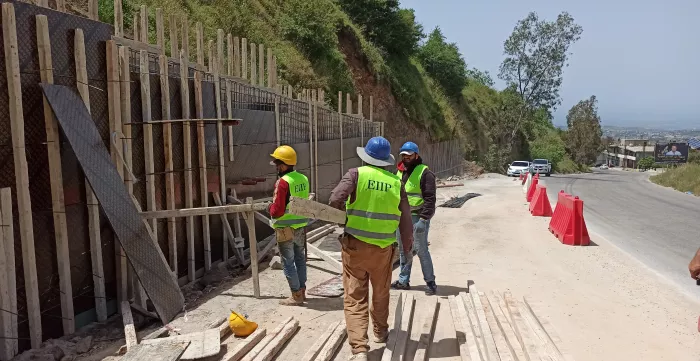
(646,163)
(548,146)
(444,63)
(583,138)
(105,11)
(694,157)
(536,54)
(392,29)
(685,178)
(568,166)
(481,77)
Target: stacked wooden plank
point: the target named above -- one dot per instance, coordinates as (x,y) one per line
(498,327)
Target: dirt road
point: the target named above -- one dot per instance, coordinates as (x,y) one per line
(604,304)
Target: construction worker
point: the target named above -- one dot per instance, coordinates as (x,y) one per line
(376,205)
(289,228)
(419,183)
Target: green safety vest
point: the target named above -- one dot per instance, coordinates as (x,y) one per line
(412,186)
(374,215)
(298,187)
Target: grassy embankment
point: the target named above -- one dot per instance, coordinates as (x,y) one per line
(685,178)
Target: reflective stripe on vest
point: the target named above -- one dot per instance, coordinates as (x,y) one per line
(374,215)
(412,186)
(298,187)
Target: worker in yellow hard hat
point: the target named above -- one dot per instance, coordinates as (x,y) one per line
(289,228)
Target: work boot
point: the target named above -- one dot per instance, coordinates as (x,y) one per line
(296,299)
(381,336)
(303,294)
(362,356)
(431,288)
(400,286)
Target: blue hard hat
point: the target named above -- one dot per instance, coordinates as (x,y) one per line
(409,148)
(377,152)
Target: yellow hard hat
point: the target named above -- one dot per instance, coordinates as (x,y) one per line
(285,154)
(240,326)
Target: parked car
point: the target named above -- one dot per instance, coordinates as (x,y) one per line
(604,166)
(541,166)
(517,167)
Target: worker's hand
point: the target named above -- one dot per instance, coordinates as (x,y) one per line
(694,266)
(420,226)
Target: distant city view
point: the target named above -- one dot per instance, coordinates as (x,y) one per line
(656,135)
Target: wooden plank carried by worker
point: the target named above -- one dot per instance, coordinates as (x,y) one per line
(331,346)
(426,335)
(201,344)
(167,351)
(24,204)
(241,349)
(311,353)
(488,343)
(324,256)
(250,356)
(276,344)
(315,210)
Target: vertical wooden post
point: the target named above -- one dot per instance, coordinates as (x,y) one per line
(160,30)
(220,55)
(220,133)
(148,137)
(93,10)
(274,71)
(277,120)
(236,57)
(244,58)
(61,5)
(118,16)
(93,207)
(169,168)
(315,108)
(261,65)
(56,177)
(253,64)
(340,120)
(371,108)
(186,50)
(229,54)
(203,180)
(120,60)
(359,105)
(269,69)
(348,104)
(252,239)
(172,22)
(311,146)
(200,44)
(187,145)
(135,26)
(144,25)
(210,56)
(229,107)
(8,279)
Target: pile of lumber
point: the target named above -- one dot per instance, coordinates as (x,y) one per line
(497,327)
(207,345)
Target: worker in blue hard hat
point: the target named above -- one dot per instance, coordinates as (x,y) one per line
(419,183)
(376,206)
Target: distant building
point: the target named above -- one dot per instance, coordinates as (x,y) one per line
(627,153)
(694,143)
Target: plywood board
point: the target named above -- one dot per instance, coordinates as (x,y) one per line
(201,344)
(143,252)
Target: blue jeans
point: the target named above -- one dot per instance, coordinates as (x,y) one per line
(420,248)
(294,260)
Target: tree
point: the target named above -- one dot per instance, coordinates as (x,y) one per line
(481,77)
(444,63)
(583,138)
(392,29)
(536,53)
(646,163)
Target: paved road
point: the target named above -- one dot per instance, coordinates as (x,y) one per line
(656,225)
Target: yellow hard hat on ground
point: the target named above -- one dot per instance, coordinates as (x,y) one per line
(240,326)
(285,154)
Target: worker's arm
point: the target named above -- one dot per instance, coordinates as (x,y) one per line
(405,223)
(279,199)
(344,190)
(428,190)
(694,266)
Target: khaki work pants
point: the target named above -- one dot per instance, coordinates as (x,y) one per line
(363,264)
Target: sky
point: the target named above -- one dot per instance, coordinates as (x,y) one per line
(640,58)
